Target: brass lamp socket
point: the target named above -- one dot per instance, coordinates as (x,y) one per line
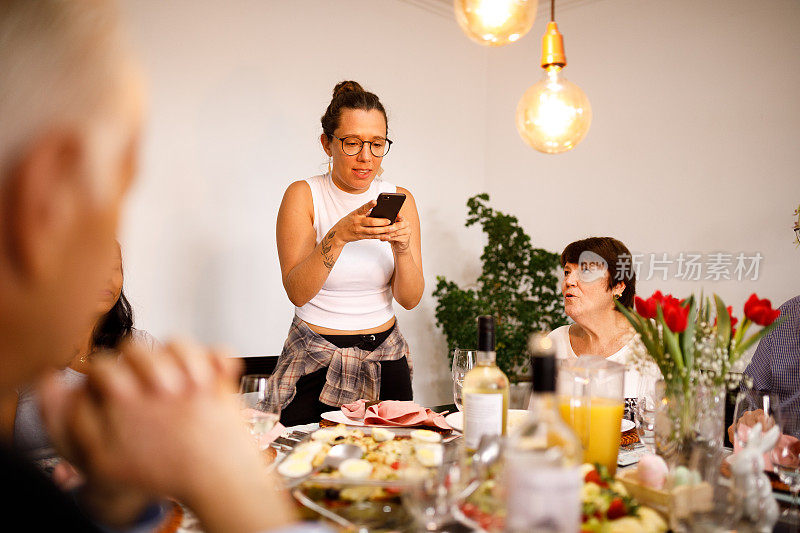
(553,47)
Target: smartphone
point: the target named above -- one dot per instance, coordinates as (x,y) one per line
(389,204)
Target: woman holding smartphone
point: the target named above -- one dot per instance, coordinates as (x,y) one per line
(342,268)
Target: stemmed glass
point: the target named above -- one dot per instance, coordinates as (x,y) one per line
(786,461)
(753,406)
(259,407)
(645,418)
(463,361)
(430,498)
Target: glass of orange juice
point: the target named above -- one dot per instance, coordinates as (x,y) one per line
(590,391)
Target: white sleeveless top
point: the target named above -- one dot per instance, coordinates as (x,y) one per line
(357,294)
(636,384)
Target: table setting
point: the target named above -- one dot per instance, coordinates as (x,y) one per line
(653,464)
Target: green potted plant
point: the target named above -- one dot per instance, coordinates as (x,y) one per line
(517,285)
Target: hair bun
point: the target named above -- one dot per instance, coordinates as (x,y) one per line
(347,86)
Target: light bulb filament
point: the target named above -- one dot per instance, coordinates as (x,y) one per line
(494,13)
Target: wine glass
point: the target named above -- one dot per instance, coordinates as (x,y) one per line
(430,497)
(463,361)
(645,417)
(753,406)
(786,461)
(259,405)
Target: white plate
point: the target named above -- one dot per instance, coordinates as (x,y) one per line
(339,418)
(456,420)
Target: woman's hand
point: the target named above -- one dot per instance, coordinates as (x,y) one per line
(358,226)
(399,235)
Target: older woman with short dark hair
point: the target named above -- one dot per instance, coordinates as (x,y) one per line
(598,271)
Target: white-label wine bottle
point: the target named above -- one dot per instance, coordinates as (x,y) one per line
(543,458)
(485,390)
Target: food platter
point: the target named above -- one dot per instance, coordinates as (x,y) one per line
(389,464)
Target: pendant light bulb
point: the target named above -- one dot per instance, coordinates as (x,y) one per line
(495,22)
(553,115)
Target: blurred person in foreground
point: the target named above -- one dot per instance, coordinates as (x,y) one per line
(146,425)
(113,326)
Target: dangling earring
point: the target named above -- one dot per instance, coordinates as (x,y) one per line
(329,164)
(617,296)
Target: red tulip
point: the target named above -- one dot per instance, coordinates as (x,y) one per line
(646,308)
(676,317)
(760,311)
(657,296)
(751,302)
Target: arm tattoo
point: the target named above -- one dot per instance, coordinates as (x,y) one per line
(327,258)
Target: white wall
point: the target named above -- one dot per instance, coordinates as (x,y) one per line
(692,147)
(237,90)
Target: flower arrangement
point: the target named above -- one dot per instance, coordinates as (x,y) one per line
(696,346)
(688,348)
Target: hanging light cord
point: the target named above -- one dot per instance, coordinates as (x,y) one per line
(552,10)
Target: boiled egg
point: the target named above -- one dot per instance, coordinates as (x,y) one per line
(382,435)
(307,450)
(429,455)
(325,435)
(355,469)
(426,435)
(293,467)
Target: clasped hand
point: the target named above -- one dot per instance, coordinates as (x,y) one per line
(161,423)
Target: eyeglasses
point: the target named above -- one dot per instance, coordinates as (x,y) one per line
(353,146)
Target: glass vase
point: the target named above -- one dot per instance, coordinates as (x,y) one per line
(688,416)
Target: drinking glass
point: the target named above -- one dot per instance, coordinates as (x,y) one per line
(463,361)
(430,498)
(753,406)
(591,401)
(259,407)
(645,417)
(786,462)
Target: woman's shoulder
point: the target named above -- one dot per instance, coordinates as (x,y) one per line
(300,188)
(560,332)
(560,337)
(298,198)
(140,336)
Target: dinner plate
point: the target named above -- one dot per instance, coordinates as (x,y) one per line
(338,417)
(456,420)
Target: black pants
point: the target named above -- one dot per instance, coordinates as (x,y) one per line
(306,408)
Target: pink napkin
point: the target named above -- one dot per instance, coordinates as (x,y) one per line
(271,435)
(394,413)
(782,441)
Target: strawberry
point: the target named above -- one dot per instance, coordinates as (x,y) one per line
(617,509)
(594,477)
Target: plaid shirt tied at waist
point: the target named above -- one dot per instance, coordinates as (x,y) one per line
(353,373)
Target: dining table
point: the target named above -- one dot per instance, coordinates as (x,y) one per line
(181,520)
